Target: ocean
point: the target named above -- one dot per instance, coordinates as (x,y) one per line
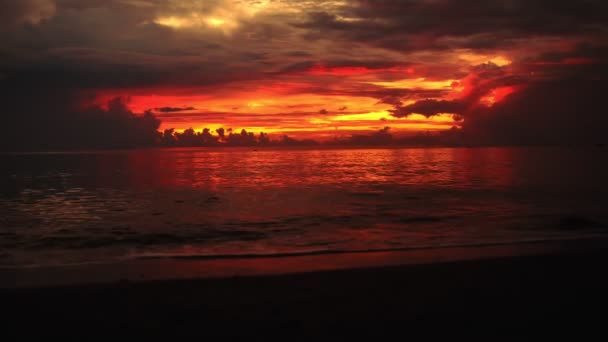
(110,206)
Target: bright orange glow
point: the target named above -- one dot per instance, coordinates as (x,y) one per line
(477,59)
(323,101)
(301,115)
(418,83)
(216,22)
(497,95)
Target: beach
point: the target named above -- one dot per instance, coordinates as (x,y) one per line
(559,290)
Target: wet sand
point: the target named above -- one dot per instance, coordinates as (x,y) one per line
(507,297)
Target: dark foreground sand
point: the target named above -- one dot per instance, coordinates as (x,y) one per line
(501,298)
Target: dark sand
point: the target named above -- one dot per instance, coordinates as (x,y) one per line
(499,298)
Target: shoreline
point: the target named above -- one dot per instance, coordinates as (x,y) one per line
(291,148)
(201,268)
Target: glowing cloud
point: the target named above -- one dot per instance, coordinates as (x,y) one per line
(313,68)
(476,59)
(417,83)
(225,24)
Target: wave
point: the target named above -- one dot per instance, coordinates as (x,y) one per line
(177,256)
(599,238)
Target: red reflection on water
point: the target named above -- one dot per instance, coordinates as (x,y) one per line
(214,169)
(488,167)
(242,201)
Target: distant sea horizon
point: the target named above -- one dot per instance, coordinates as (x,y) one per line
(317,146)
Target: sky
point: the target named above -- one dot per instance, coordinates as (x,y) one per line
(504,72)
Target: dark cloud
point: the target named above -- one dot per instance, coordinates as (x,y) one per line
(191,138)
(430,107)
(445,24)
(550,113)
(298,54)
(376,92)
(344,65)
(94,44)
(478,41)
(25,12)
(101,69)
(391,100)
(173,109)
(381,137)
(49,119)
(452,17)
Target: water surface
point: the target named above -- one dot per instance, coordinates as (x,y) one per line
(89,207)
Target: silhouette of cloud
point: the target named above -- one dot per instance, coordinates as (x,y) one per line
(429,108)
(173,109)
(380,137)
(546,113)
(53,122)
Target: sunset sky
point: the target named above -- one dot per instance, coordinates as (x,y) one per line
(508,70)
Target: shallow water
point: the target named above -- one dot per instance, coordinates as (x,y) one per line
(65,208)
